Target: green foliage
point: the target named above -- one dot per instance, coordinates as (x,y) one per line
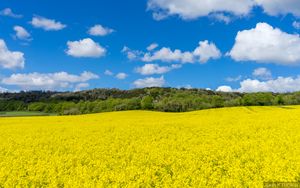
(258,99)
(37,106)
(23,114)
(147,103)
(279,100)
(12,105)
(159,99)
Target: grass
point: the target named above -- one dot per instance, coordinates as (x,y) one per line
(24,113)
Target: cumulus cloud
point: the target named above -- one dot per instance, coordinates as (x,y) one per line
(8,12)
(152,46)
(280,7)
(47,24)
(99,30)
(149,82)
(121,76)
(49,81)
(85,48)
(262,73)
(150,69)
(21,33)
(108,73)
(279,85)
(296,25)
(167,55)
(265,44)
(224,89)
(203,53)
(10,59)
(192,9)
(206,51)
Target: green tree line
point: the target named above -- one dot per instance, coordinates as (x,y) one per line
(157,99)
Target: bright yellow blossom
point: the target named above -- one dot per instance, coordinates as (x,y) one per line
(230,147)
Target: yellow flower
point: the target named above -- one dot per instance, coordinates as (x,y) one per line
(230,147)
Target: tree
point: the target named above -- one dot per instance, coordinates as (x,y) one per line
(279,100)
(37,106)
(258,99)
(147,103)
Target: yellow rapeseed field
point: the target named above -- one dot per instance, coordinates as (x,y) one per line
(230,147)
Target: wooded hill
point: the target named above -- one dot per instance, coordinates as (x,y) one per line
(158,99)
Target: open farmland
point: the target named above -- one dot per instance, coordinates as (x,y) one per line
(229,147)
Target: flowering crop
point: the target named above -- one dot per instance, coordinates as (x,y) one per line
(230,147)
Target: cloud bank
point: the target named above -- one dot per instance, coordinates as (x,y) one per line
(48,81)
(192,9)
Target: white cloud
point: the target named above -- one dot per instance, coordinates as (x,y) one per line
(108,73)
(131,54)
(192,9)
(21,33)
(152,46)
(265,44)
(99,30)
(8,12)
(167,55)
(121,76)
(296,25)
(262,73)
(159,15)
(49,81)
(85,48)
(81,86)
(203,53)
(224,89)
(150,69)
(47,24)
(221,17)
(280,7)
(279,85)
(206,51)
(10,59)
(234,79)
(149,82)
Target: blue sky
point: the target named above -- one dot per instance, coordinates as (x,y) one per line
(50,45)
